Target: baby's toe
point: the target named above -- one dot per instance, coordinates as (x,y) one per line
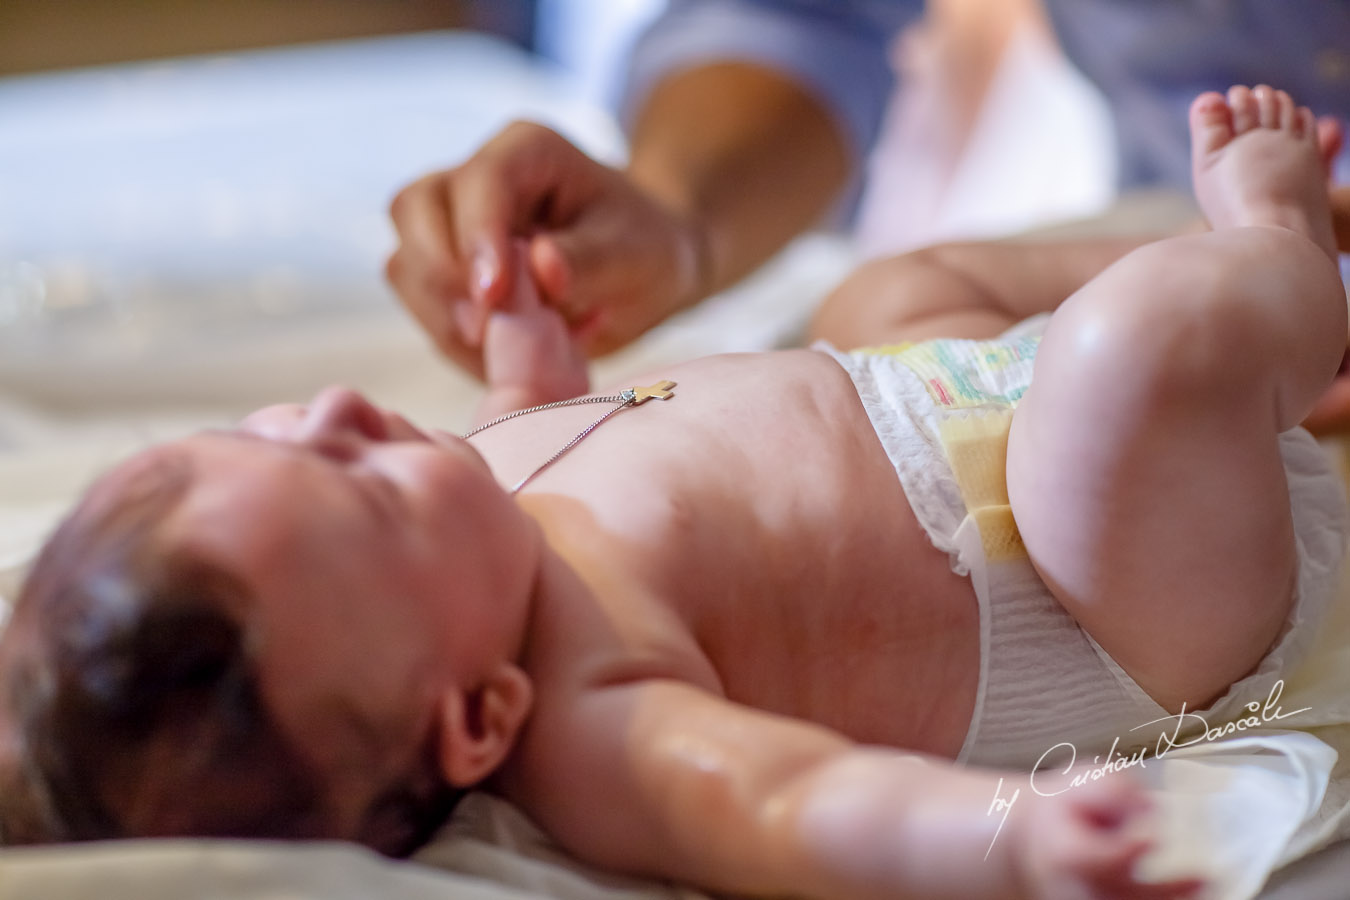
(1246,116)
(1211,122)
(1267,106)
(1305,124)
(1286,109)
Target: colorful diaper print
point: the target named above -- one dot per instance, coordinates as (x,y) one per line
(976,386)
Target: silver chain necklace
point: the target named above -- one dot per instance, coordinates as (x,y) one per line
(633,396)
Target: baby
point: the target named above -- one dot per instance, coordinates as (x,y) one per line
(737,636)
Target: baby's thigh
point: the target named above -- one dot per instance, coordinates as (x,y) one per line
(1153,502)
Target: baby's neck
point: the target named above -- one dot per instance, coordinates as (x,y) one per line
(557,591)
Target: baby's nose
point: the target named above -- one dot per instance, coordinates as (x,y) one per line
(338,411)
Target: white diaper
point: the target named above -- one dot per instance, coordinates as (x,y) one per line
(1044,683)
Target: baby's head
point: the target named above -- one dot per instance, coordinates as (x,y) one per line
(305,627)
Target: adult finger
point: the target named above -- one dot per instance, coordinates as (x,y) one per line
(436,316)
(603,290)
(503,191)
(1340,216)
(421,217)
(433,272)
(1331,414)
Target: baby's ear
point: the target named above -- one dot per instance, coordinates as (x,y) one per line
(478,727)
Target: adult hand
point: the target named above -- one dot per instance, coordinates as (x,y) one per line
(607,255)
(1340,215)
(1331,416)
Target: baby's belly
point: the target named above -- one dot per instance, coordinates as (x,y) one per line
(856,621)
(893,664)
(761,507)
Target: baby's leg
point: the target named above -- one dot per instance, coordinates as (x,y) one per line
(1143,463)
(966,290)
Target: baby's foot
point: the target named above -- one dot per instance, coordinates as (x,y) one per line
(1258,159)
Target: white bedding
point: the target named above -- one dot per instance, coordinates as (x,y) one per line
(209,263)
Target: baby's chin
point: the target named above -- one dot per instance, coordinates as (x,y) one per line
(456,445)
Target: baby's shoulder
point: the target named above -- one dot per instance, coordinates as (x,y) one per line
(578,738)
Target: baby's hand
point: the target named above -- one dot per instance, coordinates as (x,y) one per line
(528,355)
(1086,843)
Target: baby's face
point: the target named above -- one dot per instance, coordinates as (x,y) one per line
(377,558)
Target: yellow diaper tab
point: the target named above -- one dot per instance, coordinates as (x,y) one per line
(976,385)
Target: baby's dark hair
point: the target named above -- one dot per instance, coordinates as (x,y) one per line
(133,702)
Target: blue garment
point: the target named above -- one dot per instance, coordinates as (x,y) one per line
(1149,57)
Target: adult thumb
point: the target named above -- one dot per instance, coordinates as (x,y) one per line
(554,261)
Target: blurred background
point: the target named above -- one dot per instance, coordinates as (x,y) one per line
(42,36)
(227,165)
(193,194)
(191,184)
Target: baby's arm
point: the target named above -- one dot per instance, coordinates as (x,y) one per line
(663,779)
(529,358)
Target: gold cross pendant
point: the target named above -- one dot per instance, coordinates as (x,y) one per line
(661,391)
